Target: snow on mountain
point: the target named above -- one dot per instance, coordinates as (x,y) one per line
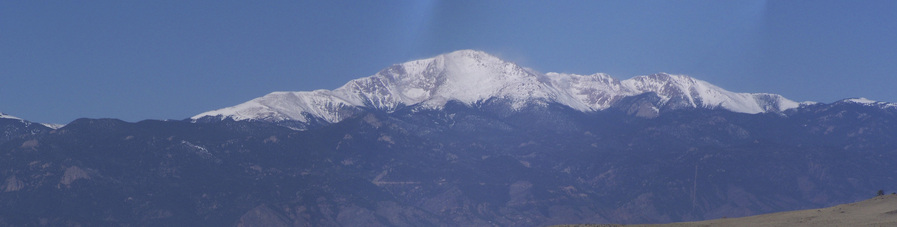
(6,116)
(52,126)
(470,76)
(697,93)
(869,102)
(283,106)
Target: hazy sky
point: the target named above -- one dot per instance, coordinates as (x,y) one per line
(135,60)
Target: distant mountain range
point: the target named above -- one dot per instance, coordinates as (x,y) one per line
(461,139)
(471,77)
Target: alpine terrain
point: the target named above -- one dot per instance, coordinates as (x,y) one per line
(460,139)
(473,77)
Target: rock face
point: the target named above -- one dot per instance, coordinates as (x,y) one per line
(12,184)
(460,165)
(72,174)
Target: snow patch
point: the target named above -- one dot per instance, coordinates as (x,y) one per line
(7,116)
(869,102)
(861,101)
(53,126)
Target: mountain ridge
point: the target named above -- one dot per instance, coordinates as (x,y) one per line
(459,166)
(27,122)
(7,116)
(471,76)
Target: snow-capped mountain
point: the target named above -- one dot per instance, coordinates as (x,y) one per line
(470,76)
(868,102)
(390,161)
(7,116)
(600,91)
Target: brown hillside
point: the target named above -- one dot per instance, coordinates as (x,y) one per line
(878,211)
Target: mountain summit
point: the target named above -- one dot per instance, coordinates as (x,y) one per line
(470,76)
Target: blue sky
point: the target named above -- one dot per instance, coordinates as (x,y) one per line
(135,60)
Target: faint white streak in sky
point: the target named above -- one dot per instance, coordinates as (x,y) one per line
(418,17)
(755,14)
